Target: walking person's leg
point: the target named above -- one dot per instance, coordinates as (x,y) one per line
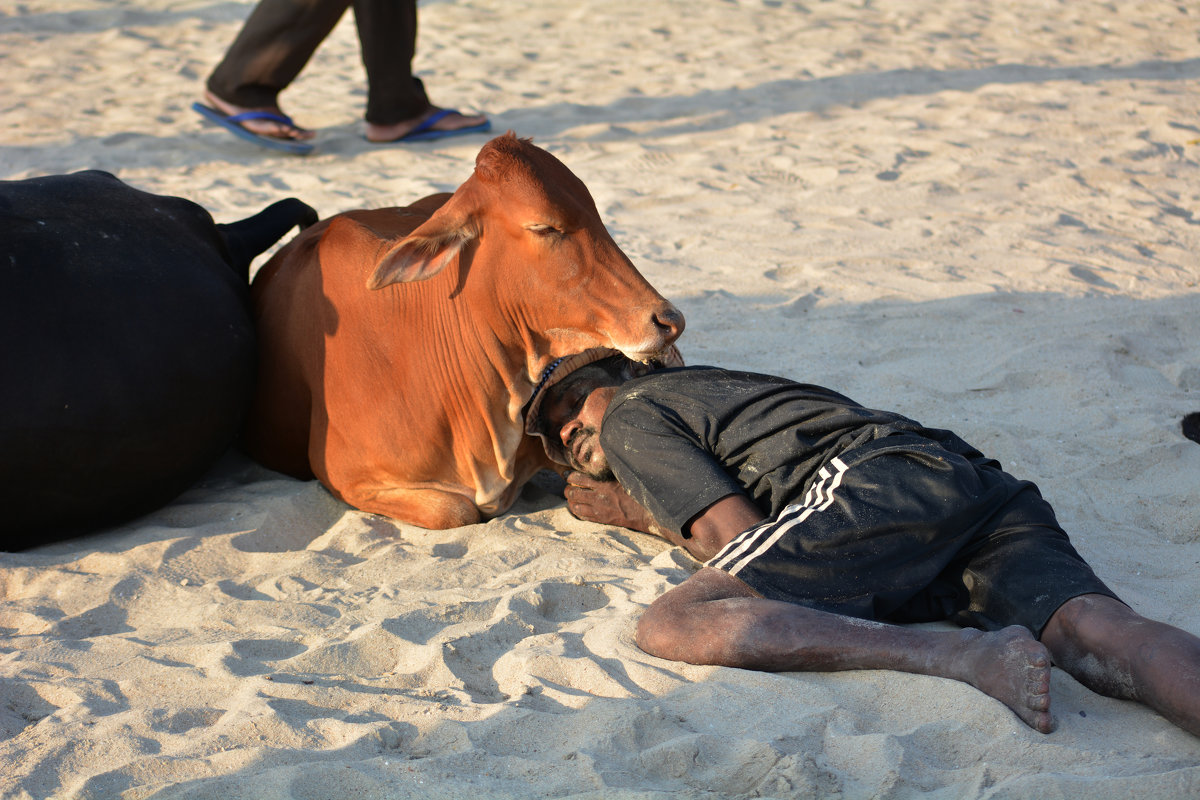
(276,42)
(397,105)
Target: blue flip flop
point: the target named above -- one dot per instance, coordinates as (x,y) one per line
(232,123)
(425,132)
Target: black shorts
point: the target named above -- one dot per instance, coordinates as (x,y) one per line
(903,530)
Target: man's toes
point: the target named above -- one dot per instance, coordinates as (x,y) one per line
(276,130)
(1046,723)
(1038,701)
(1041,720)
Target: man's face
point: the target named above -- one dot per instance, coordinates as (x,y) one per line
(572,417)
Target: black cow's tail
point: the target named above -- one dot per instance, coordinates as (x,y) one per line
(249,237)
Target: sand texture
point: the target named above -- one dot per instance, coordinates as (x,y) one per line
(982,214)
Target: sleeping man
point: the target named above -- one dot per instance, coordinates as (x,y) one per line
(822,524)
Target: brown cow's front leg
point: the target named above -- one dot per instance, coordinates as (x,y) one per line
(428,508)
(369,487)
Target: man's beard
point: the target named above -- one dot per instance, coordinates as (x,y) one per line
(603,473)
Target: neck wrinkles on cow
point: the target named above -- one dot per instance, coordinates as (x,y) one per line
(480,368)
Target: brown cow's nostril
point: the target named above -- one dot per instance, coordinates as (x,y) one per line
(670,321)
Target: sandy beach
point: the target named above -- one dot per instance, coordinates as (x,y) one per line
(983,215)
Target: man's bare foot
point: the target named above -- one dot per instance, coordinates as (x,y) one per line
(1011,666)
(450,121)
(276,129)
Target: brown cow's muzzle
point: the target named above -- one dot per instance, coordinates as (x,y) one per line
(663,328)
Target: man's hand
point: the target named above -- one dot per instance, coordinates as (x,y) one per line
(608,503)
(605,502)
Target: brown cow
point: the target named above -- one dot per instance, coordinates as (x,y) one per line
(398,346)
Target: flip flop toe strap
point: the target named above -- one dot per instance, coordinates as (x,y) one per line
(432,120)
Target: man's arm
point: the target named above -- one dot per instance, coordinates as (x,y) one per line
(720,523)
(608,503)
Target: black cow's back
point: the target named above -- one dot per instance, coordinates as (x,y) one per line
(127,352)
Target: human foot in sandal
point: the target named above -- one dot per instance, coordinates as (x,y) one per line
(436,123)
(268,127)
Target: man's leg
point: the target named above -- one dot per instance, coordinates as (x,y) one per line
(387,34)
(277,40)
(396,99)
(1115,651)
(715,618)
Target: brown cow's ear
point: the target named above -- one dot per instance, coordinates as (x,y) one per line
(418,256)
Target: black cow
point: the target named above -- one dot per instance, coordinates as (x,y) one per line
(127,350)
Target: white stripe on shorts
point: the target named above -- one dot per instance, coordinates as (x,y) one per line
(747,546)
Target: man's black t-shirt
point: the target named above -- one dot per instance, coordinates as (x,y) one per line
(680,439)
(869,513)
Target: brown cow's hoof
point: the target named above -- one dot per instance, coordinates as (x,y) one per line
(1191,426)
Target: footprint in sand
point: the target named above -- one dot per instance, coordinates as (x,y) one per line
(542,609)
(183,720)
(901,159)
(255,656)
(106,619)
(23,706)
